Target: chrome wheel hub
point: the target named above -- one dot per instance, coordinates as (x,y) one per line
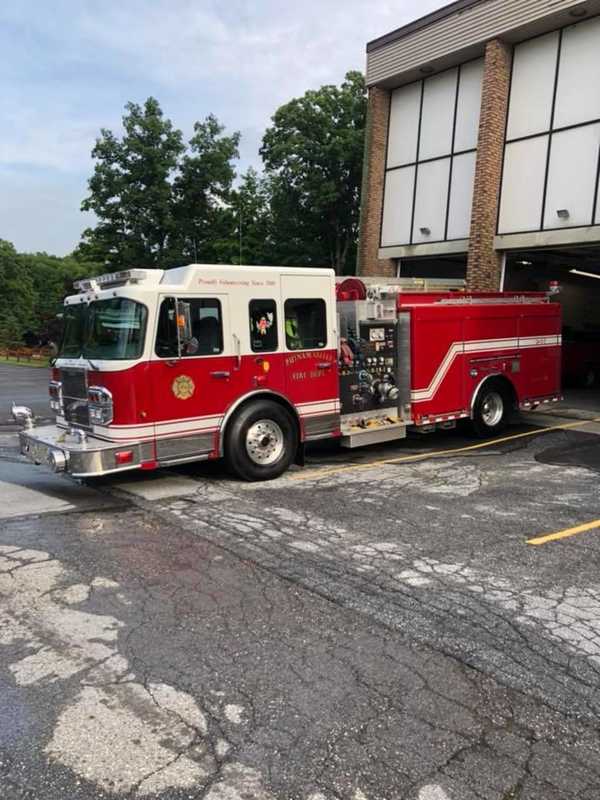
(265,442)
(492,409)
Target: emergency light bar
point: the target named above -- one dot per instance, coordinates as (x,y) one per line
(111,279)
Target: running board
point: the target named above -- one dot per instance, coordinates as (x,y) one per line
(359,437)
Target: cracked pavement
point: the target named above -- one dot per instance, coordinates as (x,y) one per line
(378,634)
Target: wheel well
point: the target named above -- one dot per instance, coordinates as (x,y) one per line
(502,381)
(274,398)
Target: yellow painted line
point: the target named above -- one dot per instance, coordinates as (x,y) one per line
(325,473)
(555,537)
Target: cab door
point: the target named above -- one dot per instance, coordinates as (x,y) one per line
(195,375)
(311,363)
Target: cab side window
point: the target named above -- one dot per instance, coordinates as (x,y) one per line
(263,326)
(166,332)
(207,328)
(203,336)
(305,324)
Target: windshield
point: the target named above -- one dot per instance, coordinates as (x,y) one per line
(105,329)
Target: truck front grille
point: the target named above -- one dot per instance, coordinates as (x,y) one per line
(74,393)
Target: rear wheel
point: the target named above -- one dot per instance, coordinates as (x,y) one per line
(261,441)
(491,411)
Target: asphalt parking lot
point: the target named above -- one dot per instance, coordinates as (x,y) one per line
(372,627)
(24,386)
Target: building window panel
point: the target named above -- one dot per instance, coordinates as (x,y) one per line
(532,89)
(523,185)
(431,201)
(437,123)
(398,206)
(429,121)
(461,196)
(572,177)
(404,125)
(469,106)
(578,91)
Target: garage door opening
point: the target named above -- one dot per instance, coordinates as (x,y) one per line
(578,272)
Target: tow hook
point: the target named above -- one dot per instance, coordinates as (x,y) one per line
(57,460)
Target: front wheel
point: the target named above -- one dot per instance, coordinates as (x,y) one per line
(261,441)
(491,411)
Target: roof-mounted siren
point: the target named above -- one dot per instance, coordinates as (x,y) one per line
(111,279)
(350,289)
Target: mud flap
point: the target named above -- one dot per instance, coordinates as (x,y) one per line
(300,459)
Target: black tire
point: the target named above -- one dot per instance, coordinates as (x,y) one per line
(261,441)
(492,410)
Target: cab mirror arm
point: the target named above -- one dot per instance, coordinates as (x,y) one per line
(183,324)
(238,351)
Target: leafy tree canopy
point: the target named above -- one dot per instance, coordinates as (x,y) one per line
(314,154)
(161,202)
(32,289)
(157,201)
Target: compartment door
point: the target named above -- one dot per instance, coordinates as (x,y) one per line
(311,351)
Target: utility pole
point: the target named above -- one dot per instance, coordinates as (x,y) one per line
(240,234)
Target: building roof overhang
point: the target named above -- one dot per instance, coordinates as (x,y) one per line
(459,32)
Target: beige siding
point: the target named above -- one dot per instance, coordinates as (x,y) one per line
(464,29)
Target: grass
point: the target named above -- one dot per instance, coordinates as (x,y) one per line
(41,362)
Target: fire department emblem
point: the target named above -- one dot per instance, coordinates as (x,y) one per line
(183,387)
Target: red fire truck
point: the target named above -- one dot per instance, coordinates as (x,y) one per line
(250,363)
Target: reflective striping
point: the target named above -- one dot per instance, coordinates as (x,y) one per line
(481,346)
(193,425)
(555,537)
(128,433)
(312,409)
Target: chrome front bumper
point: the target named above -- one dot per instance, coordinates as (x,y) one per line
(90,458)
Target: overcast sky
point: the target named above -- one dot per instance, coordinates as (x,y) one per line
(68,67)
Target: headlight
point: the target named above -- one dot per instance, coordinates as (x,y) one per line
(100,404)
(56,400)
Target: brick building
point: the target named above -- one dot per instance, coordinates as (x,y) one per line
(483,149)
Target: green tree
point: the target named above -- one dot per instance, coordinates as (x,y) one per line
(313,153)
(159,203)
(202,192)
(17,295)
(131,190)
(249,235)
(32,289)
(52,280)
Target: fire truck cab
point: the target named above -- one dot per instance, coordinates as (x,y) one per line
(249,363)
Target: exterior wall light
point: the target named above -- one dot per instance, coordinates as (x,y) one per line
(584,274)
(563,213)
(425,231)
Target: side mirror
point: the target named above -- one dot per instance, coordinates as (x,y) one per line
(183,318)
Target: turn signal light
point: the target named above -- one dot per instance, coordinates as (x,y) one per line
(124,457)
